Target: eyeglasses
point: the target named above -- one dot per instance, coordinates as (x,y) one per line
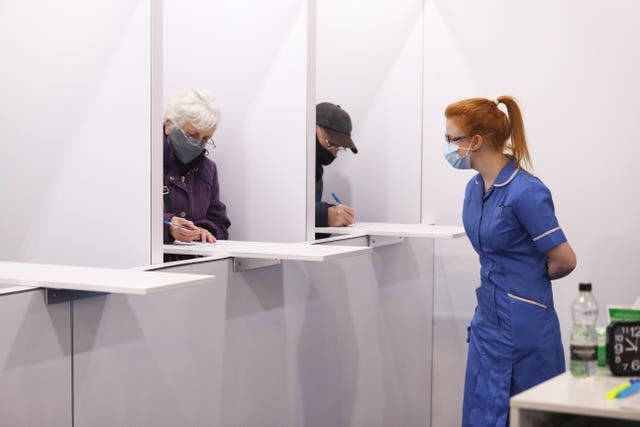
(451,139)
(334,147)
(198,142)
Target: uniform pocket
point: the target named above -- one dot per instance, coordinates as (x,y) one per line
(526,300)
(529,325)
(535,335)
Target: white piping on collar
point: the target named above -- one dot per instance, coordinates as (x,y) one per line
(513,175)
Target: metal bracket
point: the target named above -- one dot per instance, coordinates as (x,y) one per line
(244,264)
(57,296)
(377,241)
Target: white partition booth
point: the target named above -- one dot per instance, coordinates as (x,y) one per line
(333,333)
(272,328)
(75,181)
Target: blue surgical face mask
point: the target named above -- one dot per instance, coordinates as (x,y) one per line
(456,160)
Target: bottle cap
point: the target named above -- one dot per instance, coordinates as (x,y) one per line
(585,287)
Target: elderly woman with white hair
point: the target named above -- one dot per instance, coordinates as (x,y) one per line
(192,206)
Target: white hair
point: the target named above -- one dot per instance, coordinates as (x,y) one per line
(195,106)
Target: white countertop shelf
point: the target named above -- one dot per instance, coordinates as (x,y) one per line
(266,250)
(4,289)
(95,279)
(567,394)
(400,230)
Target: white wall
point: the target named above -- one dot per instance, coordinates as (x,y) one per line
(573,67)
(369,61)
(35,361)
(75,180)
(252,56)
(340,343)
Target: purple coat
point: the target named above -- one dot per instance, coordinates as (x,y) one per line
(194,195)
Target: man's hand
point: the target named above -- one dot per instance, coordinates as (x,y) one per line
(341,216)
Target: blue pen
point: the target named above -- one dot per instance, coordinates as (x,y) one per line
(177,225)
(338,201)
(633,388)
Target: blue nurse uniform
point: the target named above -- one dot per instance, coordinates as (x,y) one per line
(514,336)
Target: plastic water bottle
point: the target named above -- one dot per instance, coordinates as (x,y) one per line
(584,340)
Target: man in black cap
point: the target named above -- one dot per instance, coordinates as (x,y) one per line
(333,134)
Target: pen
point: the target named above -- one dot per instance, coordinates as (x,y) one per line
(338,201)
(633,388)
(613,393)
(178,225)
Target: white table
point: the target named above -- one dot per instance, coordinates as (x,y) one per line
(554,401)
(266,250)
(18,275)
(398,230)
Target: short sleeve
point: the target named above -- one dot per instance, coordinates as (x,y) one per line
(536,213)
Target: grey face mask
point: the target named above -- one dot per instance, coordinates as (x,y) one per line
(186,148)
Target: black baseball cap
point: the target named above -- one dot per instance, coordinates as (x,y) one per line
(337,123)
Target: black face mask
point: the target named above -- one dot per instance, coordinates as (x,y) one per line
(323,155)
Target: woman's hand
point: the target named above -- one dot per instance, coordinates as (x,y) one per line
(187,230)
(561,261)
(340,216)
(206,236)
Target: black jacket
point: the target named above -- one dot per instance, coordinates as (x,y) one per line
(322,215)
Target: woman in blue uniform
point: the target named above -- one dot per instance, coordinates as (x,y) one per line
(508,214)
